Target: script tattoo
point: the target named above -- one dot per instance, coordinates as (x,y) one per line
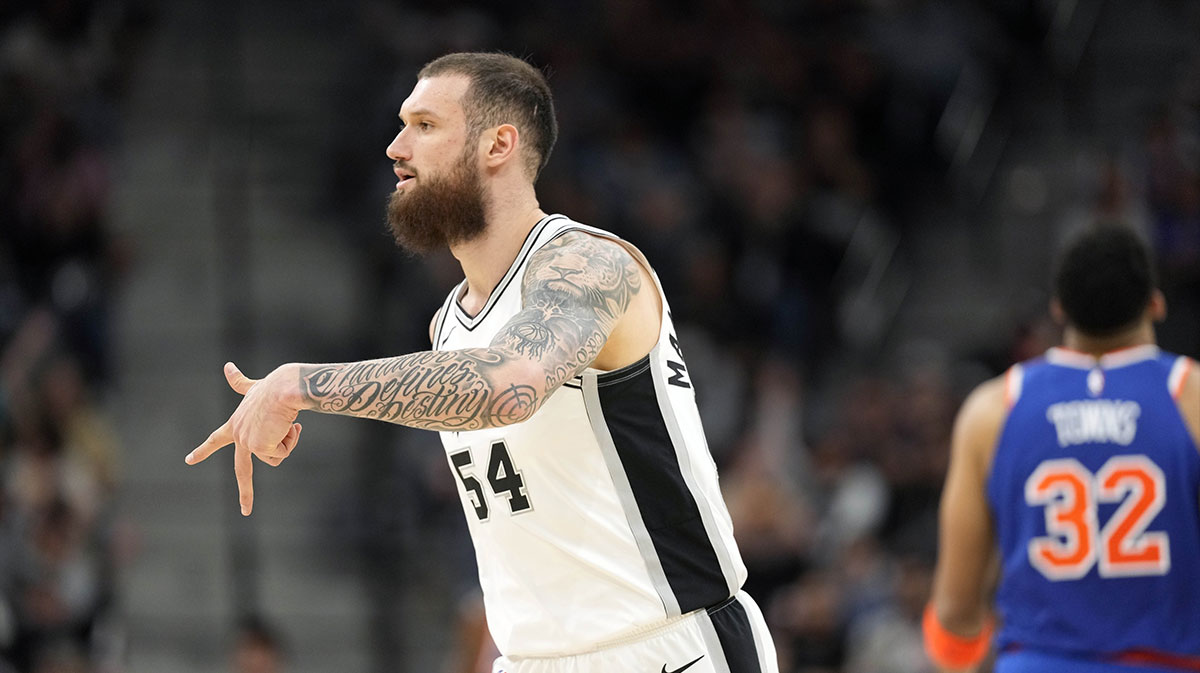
(574,290)
(434,390)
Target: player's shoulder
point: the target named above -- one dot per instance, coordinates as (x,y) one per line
(589,252)
(981,418)
(990,398)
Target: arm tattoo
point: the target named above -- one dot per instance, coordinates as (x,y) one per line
(574,291)
(433,390)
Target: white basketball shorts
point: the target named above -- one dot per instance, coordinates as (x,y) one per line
(728,638)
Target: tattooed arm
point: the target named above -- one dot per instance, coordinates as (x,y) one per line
(575,290)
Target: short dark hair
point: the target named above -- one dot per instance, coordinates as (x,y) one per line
(504,90)
(1104,279)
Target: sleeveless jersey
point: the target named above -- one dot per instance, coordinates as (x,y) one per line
(1095,494)
(600,515)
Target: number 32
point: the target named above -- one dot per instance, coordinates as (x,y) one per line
(1076,541)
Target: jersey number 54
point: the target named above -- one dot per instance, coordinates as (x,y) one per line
(501,475)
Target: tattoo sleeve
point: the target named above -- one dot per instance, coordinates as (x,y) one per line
(574,290)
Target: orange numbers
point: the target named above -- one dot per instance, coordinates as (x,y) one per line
(1075,541)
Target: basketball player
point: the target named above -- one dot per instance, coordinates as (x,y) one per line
(1081,469)
(561,395)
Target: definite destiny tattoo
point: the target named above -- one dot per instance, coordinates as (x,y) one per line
(574,290)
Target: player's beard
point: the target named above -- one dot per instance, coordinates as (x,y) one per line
(441,212)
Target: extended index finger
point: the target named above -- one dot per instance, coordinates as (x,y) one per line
(243,469)
(221,437)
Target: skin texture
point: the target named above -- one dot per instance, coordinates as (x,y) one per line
(584,305)
(968,567)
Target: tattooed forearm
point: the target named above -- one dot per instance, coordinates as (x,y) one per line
(452,390)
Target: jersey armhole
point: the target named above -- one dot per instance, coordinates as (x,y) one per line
(1014,381)
(1178,376)
(433,327)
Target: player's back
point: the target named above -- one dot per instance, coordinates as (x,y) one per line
(1094,491)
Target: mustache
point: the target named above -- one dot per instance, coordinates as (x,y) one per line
(403,166)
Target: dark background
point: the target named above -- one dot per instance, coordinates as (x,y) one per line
(853,207)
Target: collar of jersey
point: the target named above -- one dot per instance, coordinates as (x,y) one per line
(471,322)
(1112,360)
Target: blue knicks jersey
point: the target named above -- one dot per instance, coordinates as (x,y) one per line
(1095,494)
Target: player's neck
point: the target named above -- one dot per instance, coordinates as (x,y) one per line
(1140,335)
(487,258)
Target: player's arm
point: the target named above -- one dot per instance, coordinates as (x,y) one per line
(958,617)
(575,290)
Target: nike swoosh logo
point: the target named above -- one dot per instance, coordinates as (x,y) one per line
(683,668)
(447,337)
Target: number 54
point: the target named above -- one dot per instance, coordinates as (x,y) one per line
(501,475)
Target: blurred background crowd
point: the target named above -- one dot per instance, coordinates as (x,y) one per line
(852,205)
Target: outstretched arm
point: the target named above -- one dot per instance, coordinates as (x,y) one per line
(575,290)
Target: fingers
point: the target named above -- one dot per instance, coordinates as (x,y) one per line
(220,438)
(291,439)
(237,380)
(284,449)
(243,469)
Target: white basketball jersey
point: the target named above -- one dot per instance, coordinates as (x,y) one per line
(600,515)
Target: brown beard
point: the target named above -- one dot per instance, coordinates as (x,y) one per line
(441,212)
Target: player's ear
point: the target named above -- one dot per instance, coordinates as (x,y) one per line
(1157,306)
(1057,312)
(503,142)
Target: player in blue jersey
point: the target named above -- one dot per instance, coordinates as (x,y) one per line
(1074,483)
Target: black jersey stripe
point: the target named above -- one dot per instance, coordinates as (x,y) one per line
(725,555)
(665,504)
(738,641)
(518,265)
(620,479)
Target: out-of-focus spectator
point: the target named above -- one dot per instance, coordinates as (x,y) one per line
(258,648)
(62,64)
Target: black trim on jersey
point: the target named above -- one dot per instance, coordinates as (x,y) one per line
(627,372)
(668,509)
(736,634)
(443,316)
(502,286)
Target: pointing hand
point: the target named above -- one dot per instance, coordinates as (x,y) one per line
(263,425)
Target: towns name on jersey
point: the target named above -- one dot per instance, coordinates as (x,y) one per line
(1094,421)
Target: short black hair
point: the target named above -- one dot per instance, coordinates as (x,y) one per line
(1104,279)
(504,90)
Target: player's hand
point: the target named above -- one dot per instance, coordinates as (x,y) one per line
(263,425)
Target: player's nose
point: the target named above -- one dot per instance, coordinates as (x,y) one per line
(398,149)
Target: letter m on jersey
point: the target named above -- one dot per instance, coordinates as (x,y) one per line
(678,369)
